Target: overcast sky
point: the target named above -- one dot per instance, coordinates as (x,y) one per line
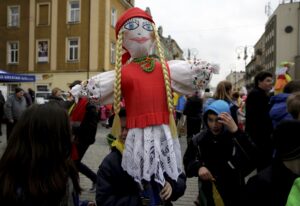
(212,29)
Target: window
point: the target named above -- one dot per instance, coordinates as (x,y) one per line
(113,17)
(112,53)
(42,51)
(73,49)
(13,16)
(13,52)
(42,88)
(74,11)
(43,14)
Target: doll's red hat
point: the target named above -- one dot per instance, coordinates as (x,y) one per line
(131,13)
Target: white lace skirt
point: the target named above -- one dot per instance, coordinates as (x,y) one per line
(152,151)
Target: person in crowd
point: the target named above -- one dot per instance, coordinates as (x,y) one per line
(293,105)
(31,92)
(242,110)
(175,100)
(2,102)
(28,99)
(224,92)
(36,168)
(207,94)
(13,108)
(237,104)
(84,119)
(180,118)
(193,112)
(56,96)
(180,107)
(116,187)
(221,155)
(258,121)
(272,185)
(278,103)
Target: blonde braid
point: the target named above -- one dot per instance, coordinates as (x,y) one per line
(172,124)
(116,127)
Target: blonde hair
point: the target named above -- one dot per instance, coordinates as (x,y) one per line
(223,91)
(172,123)
(116,128)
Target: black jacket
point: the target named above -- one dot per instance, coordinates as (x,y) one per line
(225,156)
(116,188)
(214,152)
(270,186)
(193,107)
(258,121)
(88,126)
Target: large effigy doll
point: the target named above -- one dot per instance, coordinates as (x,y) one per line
(146,82)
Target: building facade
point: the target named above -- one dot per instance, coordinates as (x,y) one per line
(59,40)
(237,79)
(280,42)
(257,62)
(171,48)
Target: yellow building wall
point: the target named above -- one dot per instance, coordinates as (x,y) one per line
(42,32)
(66,30)
(20,34)
(65,72)
(107,32)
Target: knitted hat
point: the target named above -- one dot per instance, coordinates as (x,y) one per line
(128,14)
(18,89)
(131,13)
(287,139)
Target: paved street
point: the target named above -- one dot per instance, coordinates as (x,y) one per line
(99,150)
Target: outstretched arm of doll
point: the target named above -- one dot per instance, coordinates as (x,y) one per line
(187,77)
(98,87)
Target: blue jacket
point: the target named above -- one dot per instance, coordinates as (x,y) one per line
(278,110)
(181,103)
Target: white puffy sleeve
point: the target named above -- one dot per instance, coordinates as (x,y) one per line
(99,87)
(187,77)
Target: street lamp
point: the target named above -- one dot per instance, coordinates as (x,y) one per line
(192,54)
(243,53)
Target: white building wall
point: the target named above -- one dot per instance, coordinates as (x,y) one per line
(287,42)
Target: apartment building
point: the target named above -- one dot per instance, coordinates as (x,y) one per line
(237,79)
(280,42)
(59,40)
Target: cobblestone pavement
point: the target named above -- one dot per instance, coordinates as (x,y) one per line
(99,150)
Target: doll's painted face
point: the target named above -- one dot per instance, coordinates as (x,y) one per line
(138,37)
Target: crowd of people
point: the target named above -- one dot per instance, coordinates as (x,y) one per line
(243,146)
(220,152)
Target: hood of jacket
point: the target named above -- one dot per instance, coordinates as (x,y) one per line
(279,98)
(217,106)
(278,112)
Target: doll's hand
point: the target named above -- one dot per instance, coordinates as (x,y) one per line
(76,92)
(93,89)
(166,192)
(205,174)
(227,120)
